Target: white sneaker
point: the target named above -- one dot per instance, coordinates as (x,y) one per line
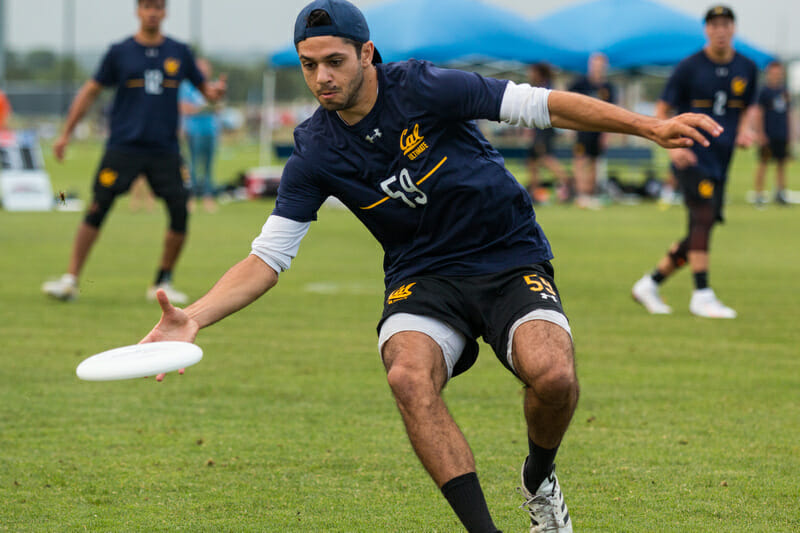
(705,303)
(546,508)
(64,288)
(645,291)
(175,296)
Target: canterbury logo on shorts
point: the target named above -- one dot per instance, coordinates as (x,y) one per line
(400,294)
(107,177)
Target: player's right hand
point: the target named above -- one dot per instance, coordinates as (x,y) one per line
(175,325)
(60,147)
(682,158)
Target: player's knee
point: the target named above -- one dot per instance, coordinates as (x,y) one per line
(411,384)
(558,385)
(679,253)
(178,213)
(97,212)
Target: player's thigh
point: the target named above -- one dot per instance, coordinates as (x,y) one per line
(168,176)
(421,343)
(414,356)
(542,349)
(115,174)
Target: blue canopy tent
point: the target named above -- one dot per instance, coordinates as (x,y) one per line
(444,31)
(452,30)
(632,33)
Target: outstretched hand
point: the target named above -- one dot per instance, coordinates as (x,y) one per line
(175,325)
(684,130)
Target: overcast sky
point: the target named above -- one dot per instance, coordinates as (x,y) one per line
(266,25)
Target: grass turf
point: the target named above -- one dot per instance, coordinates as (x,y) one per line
(287,424)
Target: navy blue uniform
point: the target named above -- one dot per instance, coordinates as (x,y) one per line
(722,91)
(419,175)
(144,117)
(774,103)
(144,125)
(588,142)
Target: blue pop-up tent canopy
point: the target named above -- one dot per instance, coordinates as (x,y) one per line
(632,33)
(445,31)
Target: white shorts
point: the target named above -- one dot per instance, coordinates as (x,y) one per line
(452,341)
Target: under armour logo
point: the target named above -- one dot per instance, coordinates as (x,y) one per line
(375,135)
(151,52)
(722,72)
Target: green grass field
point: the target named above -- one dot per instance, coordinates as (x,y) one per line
(287,424)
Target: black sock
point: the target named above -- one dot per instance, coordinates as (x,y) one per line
(658,277)
(163,276)
(465,496)
(539,465)
(700,280)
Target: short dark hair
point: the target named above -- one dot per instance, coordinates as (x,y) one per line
(543,70)
(320,17)
(139,2)
(774,63)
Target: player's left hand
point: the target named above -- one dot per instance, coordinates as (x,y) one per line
(684,130)
(217,89)
(745,138)
(175,325)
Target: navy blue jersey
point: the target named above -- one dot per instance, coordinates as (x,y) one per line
(419,175)
(603,91)
(144,117)
(722,91)
(774,103)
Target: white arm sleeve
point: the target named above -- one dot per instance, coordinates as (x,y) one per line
(279,241)
(524,105)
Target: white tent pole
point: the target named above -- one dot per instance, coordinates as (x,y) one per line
(267,114)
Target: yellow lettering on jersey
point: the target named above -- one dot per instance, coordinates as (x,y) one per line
(412,143)
(701,103)
(400,294)
(738,85)
(135,83)
(171,66)
(706,188)
(107,177)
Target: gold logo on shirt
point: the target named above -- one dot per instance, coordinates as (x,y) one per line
(400,294)
(107,177)
(171,66)
(412,144)
(706,188)
(738,85)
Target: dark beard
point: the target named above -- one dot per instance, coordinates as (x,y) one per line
(353,89)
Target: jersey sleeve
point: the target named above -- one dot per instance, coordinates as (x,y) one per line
(193,73)
(752,92)
(455,94)
(299,194)
(107,73)
(675,91)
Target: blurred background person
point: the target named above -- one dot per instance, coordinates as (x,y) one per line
(590,145)
(201,127)
(719,82)
(541,150)
(772,122)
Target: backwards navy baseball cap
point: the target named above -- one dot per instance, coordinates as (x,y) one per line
(719,11)
(346,21)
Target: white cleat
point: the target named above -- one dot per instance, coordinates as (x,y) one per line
(175,296)
(547,510)
(645,291)
(64,288)
(705,303)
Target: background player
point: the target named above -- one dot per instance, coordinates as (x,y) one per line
(774,127)
(147,69)
(464,256)
(721,83)
(541,150)
(590,145)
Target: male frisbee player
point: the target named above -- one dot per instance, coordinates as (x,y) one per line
(146,69)
(720,82)
(774,127)
(464,256)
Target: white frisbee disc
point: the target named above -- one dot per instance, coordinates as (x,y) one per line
(139,360)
